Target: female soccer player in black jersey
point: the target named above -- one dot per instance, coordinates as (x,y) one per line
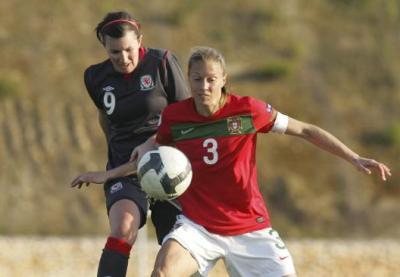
(130,89)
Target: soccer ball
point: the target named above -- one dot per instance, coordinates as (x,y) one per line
(165,173)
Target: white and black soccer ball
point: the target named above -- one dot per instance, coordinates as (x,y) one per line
(165,173)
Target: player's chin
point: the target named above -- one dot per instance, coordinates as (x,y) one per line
(125,69)
(203,99)
(202,103)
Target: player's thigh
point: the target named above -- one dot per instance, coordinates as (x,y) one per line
(125,215)
(203,246)
(124,199)
(174,260)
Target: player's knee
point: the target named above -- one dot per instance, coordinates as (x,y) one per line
(125,231)
(157,273)
(164,271)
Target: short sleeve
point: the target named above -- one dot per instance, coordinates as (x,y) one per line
(263,116)
(88,80)
(164,136)
(174,81)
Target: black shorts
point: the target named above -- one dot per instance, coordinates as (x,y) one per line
(126,188)
(163,215)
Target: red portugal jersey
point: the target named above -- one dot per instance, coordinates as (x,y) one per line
(224,196)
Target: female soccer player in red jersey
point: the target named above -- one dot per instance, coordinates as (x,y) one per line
(223,212)
(130,89)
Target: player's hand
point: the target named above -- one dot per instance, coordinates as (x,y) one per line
(140,150)
(365,165)
(98,177)
(134,154)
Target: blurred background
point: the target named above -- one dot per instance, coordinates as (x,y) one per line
(335,63)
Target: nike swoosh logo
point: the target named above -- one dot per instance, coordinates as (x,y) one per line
(282,258)
(187,131)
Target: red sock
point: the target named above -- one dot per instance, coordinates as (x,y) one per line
(118,245)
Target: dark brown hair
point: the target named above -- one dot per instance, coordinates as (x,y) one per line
(116,24)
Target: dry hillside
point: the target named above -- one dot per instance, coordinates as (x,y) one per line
(334,63)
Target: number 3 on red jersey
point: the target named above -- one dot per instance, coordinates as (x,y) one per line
(211,145)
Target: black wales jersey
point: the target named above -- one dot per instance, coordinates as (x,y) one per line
(130,105)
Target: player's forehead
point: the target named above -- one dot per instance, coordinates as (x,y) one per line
(129,40)
(206,67)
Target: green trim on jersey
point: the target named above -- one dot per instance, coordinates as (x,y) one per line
(230,126)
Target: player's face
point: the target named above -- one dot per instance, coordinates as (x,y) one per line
(123,52)
(206,82)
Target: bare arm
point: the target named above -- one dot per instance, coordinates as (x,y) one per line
(129,168)
(100,177)
(326,141)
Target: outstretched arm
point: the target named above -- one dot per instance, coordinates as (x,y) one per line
(129,168)
(330,143)
(99,177)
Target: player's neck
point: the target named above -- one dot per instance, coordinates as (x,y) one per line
(207,110)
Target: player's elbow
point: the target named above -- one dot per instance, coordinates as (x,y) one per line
(301,129)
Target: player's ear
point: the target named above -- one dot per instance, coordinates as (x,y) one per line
(140,40)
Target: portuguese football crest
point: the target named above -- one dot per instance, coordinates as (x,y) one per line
(234,125)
